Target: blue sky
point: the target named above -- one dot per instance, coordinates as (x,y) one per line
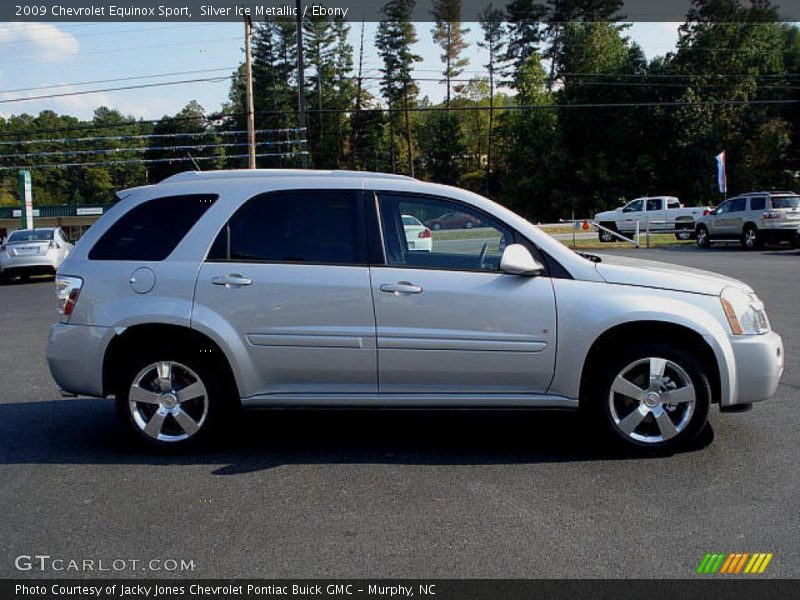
(40,54)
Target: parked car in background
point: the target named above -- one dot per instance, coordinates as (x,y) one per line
(217,290)
(453,220)
(29,252)
(753,219)
(658,213)
(418,237)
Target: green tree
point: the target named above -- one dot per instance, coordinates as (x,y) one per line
(395,39)
(449,34)
(494,31)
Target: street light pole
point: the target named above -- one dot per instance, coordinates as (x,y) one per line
(251,129)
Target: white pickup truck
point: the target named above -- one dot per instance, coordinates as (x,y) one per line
(658,213)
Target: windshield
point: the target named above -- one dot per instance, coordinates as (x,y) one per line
(30,235)
(786,202)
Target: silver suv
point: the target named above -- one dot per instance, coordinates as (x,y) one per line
(211,291)
(752,219)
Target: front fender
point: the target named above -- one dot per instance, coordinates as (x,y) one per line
(581,322)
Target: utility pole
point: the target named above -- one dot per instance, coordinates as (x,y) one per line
(301,82)
(251,128)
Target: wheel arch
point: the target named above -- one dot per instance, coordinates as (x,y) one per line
(683,337)
(138,337)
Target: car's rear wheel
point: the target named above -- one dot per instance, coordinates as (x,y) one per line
(171,400)
(436,226)
(703,239)
(684,233)
(751,239)
(652,397)
(469,225)
(606,236)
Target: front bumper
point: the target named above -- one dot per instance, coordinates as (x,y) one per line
(75,357)
(759,366)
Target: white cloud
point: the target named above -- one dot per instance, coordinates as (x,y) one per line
(38,40)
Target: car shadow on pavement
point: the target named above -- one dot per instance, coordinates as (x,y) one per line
(85,431)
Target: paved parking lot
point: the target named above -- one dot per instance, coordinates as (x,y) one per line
(399,494)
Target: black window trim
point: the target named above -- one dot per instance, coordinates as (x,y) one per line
(553,269)
(361,239)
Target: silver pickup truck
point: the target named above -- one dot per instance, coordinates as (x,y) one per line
(658,213)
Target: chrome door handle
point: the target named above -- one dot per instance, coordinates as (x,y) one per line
(232,280)
(401,287)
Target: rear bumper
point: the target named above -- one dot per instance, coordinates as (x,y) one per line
(28,264)
(75,357)
(759,366)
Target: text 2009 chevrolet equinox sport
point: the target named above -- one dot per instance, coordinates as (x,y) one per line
(309,288)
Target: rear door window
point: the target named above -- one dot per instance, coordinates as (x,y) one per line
(151,230)
(654,204)
(738,205)
(758,203)
(305,226)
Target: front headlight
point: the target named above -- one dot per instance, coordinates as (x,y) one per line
(745,312)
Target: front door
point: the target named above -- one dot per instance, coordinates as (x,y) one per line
(288,277)
(448,320)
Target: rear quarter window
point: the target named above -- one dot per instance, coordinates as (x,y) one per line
(151,230)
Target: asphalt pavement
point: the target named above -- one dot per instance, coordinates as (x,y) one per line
(397,494)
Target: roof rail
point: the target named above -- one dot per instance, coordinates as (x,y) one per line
(257,173)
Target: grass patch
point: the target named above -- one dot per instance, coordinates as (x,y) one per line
(656,240)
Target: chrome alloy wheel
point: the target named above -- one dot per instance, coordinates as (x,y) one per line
(652,400)
(750,238)
(168,401)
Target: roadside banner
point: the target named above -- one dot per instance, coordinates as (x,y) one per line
(26,199)
(722,180)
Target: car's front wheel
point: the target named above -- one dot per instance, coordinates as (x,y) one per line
(171,400)
(652,397)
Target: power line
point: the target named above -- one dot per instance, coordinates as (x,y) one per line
(141,161)
(115,50)
(149,149)
(147,136)
(131,78)
(116,89)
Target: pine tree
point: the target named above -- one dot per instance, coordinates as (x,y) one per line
(396,36)
(449,34)
(494,31)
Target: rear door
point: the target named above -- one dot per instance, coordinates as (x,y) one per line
(655,213)
(288,276)
(448,320)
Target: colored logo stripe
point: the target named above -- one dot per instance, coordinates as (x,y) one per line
(734,563)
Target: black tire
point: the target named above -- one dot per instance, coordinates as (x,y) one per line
(702,237)
(684,234)
(220,401)
(469,225)
(599,399)
(605,236)
(751,238)
(436,226)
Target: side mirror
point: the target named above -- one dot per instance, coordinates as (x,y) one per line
(517,260)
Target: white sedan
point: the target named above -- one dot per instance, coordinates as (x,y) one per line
(33,252)
(418,236)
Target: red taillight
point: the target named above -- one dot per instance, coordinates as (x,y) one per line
(67,291)
(772,214)
(71,300)
(706,212)
(424,234)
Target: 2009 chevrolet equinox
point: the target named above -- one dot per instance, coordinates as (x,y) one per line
(284,288)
